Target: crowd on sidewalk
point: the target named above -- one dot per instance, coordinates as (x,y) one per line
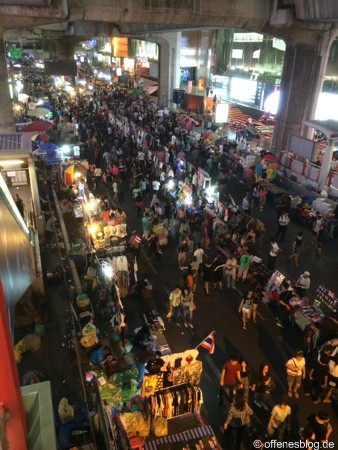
(140,154)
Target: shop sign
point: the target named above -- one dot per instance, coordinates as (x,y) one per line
(220,80)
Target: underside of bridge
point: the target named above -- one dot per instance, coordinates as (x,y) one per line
(279,17)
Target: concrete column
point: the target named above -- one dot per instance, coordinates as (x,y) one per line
(7,124)
(169,67)
(65,47)
(326,165)
(302,80)
(204,57)
(34,188)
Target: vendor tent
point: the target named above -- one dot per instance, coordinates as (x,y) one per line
(74,168)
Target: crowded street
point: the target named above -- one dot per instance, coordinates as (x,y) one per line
(142,170)
(200,231)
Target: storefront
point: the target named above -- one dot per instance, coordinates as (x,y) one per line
(146,55)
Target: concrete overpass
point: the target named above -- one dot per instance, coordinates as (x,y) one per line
(307,26)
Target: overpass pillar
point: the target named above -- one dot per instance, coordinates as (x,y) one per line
(302,79)
(65,48)
(169,67)
(7,124)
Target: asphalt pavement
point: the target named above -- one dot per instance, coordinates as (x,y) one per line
(263,342)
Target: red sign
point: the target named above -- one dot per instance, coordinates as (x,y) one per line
(10,393)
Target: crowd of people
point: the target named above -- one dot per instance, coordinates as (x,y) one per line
(136,151)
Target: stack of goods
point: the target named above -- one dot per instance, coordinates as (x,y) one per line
(311,314)
(321,206)
(119,388)
(327,298)
(258,274)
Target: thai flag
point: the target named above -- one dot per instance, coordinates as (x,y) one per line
(209,343)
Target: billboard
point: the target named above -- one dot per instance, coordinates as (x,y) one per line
(61,68)
(222,113)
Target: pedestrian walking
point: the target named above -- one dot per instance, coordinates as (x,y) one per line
(243,379)
(199,254)
(262,194)
(138,202)
(283,223)
(320,425)
(207,274)
(297,244)
(279,424)
(145,226)
(333,379)
(274,250)
(244,265)
(247,204)
(229,377)
(316,225)
(319,377)
(295,370)
(230,269)
(188,307)
(238,419)
(262,388)
(175,305)
(19,204)
(245,308)
(217,274)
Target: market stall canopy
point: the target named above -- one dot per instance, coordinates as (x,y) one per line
(189,122)
(210,137)
(136,92)
(327,127)
(269,157)
(70,171)
(38,112)
(38,137)
(52,157)
(47,106)
(38,125)
(49,147)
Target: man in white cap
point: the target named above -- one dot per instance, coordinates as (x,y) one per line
(303,284)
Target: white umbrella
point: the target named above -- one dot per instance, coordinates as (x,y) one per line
(38,112)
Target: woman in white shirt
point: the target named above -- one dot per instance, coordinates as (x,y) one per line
(295,370)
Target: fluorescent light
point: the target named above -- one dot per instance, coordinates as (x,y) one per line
(12,162)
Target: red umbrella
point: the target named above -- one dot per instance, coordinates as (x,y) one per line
(269,157)
(39,125)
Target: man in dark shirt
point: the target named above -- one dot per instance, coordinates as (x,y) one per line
(320,424)
(142,339)
(285,310)
(328,328)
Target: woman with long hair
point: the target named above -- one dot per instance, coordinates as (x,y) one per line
(243,379)
(238,418)
(262,388)
(188,307)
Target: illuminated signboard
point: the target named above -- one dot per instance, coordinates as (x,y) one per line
(243,90)
(120,47)
(222,113)
(15,53)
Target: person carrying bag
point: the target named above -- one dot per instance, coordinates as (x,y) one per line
(238,418)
